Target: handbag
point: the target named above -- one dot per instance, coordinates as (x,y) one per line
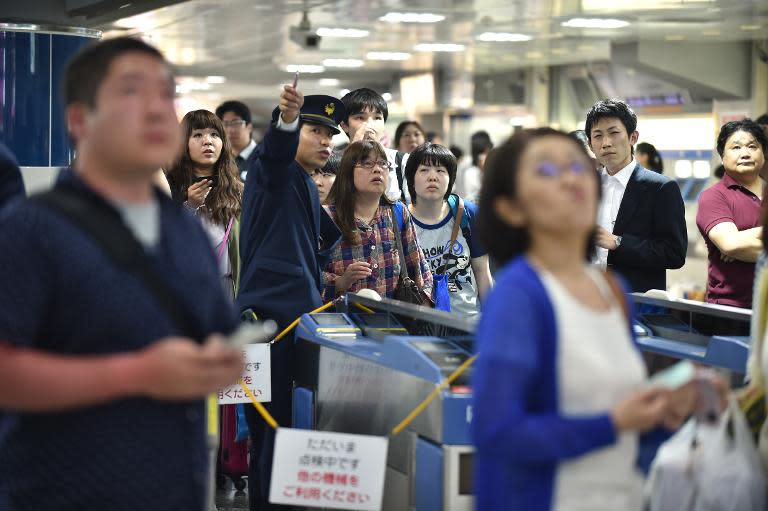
(407,290)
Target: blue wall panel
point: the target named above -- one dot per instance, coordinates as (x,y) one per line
(63,48)
(25,94)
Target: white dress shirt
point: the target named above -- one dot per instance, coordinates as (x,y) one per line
(613,193)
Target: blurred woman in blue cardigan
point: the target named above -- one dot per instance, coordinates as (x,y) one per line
(561,400)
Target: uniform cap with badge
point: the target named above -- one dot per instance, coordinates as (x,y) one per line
(319,109)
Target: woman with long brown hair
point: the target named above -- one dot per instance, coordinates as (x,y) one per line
(367,256)
(204,177)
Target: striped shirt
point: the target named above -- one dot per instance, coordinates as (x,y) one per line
(375,243)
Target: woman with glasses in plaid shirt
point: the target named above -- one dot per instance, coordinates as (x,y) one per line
(367,256)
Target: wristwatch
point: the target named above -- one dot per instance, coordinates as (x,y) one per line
(618,242)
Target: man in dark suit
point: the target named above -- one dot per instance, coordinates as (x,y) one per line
(11,184)
(641,222)
(286,240)
(236,117)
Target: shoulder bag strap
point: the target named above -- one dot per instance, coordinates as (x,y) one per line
(398,240)
(109,231)
(454,234)
(224,240)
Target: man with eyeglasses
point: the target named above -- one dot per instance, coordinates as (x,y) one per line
(285,240)
(236,118)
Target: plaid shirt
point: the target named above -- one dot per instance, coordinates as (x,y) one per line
(376,244)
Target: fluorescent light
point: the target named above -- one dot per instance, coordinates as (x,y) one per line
(606,23)
(387,96)
(711,32)
(701,169)
(440,47)
(387,55)
(329,82)
(215,79)
(751,27)
(503,37)
(344,92)
(343,63)
(683,169)
(411,17)
(304,68)
(342,32)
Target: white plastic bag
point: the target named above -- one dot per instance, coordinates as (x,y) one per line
(708,468)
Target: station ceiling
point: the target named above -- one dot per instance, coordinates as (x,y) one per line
(244,48)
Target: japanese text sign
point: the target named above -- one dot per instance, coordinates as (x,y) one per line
(257,377)
(329,470)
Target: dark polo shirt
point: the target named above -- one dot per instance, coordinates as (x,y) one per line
(728,201)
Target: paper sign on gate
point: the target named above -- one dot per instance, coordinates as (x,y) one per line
(257,377)
(329,470)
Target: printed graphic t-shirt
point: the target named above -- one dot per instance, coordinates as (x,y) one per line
(461,280)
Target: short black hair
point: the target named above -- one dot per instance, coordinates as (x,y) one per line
(747,125)
(333,163)
(360,100)
(457,151)
(611,108)
(479,143)
(238,107)
(582,137)
(500,178)
(763,119)
(430,154)
(88,68)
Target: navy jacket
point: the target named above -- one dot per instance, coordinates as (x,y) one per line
(11,184)
(651,222)
(285,236)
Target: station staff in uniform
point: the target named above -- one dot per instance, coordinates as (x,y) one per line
(286,238)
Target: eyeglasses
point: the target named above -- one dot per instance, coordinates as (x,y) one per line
(234,124)
(370,164)
(550,170)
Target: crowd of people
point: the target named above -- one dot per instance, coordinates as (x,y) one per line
(97,363)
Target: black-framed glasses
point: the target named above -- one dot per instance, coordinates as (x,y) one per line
(234,124)
(370,164)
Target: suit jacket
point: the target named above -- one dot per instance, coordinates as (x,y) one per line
(11,184)
(651,222)
(286,237)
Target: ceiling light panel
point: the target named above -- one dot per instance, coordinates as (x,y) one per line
(412,17)
(352,33)
(343,63)
(503,37)
(601,23)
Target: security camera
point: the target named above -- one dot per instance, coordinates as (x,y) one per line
(303,35)
(305,38)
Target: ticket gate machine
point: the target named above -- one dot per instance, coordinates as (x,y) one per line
(714,335)
(364,371)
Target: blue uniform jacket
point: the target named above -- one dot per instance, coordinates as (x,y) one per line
(285,236)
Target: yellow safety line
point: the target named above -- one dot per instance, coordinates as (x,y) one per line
(259,407)
(296,322)
(364,308)
(423,405)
